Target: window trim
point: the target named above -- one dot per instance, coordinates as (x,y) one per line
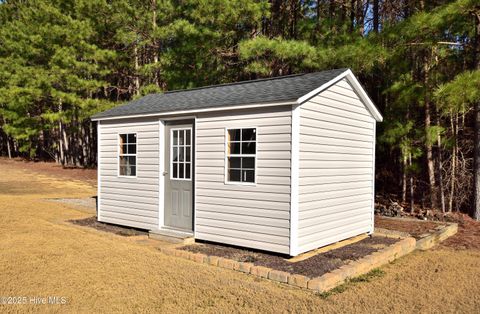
(118,155)
(254,183)
(170,166)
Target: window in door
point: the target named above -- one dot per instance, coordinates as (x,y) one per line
(181,154)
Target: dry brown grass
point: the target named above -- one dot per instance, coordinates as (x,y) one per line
(43,255)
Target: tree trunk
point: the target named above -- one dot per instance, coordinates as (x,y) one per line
(318,14)
(359,17)
(332,14)
(375,16)
(76,142)
(15,148)
(275,17)
(428,142)
(430,166)
(136,79)
(294,8)
(86,145)
(412,208)
(7,139)
(65,144)
(476,159)
(155,43)
(404,178)
(93,144)
(352,15)
(9,149)
(454,126)
(61,145)
(343,12)
(440,170)
(422,5)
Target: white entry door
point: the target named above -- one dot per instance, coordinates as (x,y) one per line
(178,176)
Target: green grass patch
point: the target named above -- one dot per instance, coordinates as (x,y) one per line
(374,273)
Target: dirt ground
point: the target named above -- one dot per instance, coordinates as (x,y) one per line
(410,226)
(52,169)
(93,223)
(468,236)
(42,255)
(314,266)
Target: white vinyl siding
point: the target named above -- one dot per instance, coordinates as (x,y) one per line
(257,215)
(336,162)
(130,201)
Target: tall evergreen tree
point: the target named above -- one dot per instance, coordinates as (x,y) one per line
(62,61)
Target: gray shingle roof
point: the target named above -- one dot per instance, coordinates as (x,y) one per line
(276,89)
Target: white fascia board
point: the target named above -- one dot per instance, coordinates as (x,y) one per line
(348,74)
(193,111)
(363,95)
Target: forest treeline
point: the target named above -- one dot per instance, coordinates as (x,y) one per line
(63,60)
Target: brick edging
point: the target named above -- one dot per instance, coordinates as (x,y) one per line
(429,240)
(362,266)
(391,233)
(323,283)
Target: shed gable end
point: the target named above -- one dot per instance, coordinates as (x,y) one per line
(336,162)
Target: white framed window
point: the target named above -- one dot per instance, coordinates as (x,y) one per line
(241,155)
(127,155)
(181,154)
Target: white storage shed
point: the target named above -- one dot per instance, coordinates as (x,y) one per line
(285,164)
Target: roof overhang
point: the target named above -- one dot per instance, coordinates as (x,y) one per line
(348,74)
(194,111)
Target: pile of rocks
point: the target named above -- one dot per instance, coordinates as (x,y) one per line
(391,210)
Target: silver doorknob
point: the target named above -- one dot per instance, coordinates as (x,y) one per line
(165,173)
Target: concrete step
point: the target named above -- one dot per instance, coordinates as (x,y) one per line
(172,235)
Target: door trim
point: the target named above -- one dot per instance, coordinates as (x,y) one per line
(161,160)
(161,176)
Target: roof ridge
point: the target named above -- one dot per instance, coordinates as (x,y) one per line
(248,81)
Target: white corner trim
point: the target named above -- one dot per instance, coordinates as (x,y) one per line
(373,176)
(194,111)
(161,177)
(348,74)
(194,166)
(294,178)
(99,177)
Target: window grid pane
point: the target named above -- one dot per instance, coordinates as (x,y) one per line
(127,154)
(175,170)
(181,154)
(241,155)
